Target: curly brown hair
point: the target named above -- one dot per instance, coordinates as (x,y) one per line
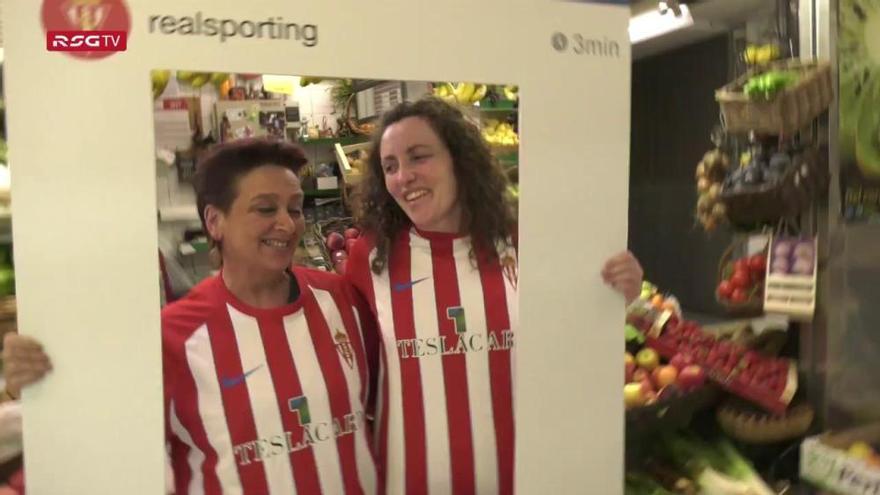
(487,215)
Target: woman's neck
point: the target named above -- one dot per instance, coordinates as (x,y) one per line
(259,291)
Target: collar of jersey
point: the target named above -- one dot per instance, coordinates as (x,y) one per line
(247,309)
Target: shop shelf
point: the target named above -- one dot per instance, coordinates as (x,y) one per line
(345,141)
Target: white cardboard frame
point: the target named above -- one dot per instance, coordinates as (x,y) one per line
(83,178)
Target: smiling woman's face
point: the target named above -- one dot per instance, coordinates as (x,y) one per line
(420,175)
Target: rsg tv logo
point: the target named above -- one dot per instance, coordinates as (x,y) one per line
(89,29)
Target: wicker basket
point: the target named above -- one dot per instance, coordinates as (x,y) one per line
(789,111)
(758,427)
(754,306)
(806,179)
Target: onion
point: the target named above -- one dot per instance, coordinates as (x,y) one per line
(782,249)
(804,250)
(802,267)
(780,265)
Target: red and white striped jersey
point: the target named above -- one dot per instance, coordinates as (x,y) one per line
(267,401)
(445,387)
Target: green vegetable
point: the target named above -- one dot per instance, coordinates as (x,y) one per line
(766,85)
(717,468)
(636,483)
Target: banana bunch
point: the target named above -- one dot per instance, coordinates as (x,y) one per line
(761,54)
(194,79)
(463,93)
(159,79)
(511,92)
(306,80)
(499,133)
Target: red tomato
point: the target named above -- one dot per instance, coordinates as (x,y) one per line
(739,296)
(725,289)
(758,263)
(741,264)
(741,279)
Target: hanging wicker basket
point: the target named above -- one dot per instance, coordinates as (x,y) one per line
(788,111)
(754,305)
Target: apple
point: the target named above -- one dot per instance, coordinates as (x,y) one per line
(648,358)
(647,387)
(632,395)
(349,244)
(640,375)
(860,450)
(338,256)
(691,377)
(352,233)
(340,267)
(335,241)
(628,358)
(629,369)
(665,375)
(681,360)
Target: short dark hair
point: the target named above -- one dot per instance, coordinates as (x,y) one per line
(219,170)
(487,214)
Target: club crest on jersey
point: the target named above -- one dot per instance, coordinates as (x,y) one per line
(510,268)
(343,347)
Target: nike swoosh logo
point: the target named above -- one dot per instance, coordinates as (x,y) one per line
(406,285)
(235,380)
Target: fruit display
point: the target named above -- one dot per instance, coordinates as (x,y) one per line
(761,54)
(651,294)
(860,86)
(769,382)
(648,380)
(159,80)
(768,84)
(743,280)
(498,133)
(843,461)
(198,79)
(463,93)
(339,244)
(864,451)
(710,174)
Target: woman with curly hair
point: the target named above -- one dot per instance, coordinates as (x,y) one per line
(438,266)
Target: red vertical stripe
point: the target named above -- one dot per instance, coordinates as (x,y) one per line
(236,400)
(285,379)
(497,321)
(337,388)
(458,411)
(410,373)
(180,467)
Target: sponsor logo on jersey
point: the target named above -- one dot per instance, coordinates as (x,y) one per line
(402,286)
(308,433)
(235,380)
(460,343)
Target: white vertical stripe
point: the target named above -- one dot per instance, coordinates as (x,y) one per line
(366,470)
(431,366)
(263,399)
(470,290)
(195,457)
(200,359)
(314,387)
(395,440)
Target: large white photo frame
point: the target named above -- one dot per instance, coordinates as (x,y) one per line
(84,214)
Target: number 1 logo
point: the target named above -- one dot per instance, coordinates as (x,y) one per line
(456,314)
